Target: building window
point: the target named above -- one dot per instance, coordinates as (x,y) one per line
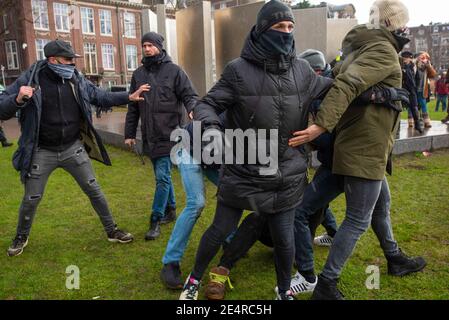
(130,25)
(436,42)
(61,11)
(87,20)
(105,23)
(444,41)
(5,23)
(436,29)
(40,44)
(107,51)
(90,58)
(131,57)
(12,57)
(40,14)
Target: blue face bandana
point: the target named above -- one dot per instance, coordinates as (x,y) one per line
(65,71)
(277,42)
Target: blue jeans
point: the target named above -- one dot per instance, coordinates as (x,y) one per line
(441,99)
(367,202)
(323,189)
(164,194)
(422,102)
(193,183)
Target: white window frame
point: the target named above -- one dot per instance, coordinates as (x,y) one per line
(90,49)
(129,24)
(12,57)
(40,44)
(128,56)
(107,56)
(86,17)
(62,12)
(39,10)
(105,21)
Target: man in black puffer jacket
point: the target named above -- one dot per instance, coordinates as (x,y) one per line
(266,88)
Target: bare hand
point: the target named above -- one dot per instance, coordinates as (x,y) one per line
(135,97)
(130,142)
(303,137)
(24,92)
(191,115)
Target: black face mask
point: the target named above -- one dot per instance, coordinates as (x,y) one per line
(277,42)
(401,38)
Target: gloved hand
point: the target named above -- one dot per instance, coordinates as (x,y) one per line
(388,97)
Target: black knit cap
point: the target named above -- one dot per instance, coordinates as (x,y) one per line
(407,54)
(271,13)
(155,38)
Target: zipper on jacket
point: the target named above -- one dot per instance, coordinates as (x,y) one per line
(61,114)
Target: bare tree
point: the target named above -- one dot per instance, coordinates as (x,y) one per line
(12,6)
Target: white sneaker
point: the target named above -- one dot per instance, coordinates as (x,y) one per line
(299,285)
(190,291)
(324,240)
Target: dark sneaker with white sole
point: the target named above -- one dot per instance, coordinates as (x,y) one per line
(120,236)
(18,244)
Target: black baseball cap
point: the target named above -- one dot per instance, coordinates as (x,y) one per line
(59,48)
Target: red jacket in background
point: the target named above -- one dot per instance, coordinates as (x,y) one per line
(442,88)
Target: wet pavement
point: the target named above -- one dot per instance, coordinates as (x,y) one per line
(114,122)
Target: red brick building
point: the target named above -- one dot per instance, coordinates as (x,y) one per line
(106,33)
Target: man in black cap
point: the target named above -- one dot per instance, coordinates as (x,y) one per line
(162,112)
(57,132)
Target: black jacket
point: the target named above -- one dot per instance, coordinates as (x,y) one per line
(86,94)
(162,111)
(409,83)
(262,92)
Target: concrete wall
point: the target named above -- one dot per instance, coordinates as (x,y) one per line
(232,26)
(336,31)
(311,29)
(194,41)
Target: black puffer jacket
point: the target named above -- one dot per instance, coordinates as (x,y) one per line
(262,92)
(162,111)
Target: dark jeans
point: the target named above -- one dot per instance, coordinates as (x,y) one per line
(329,222)
(226,220)
(254,227)
(441,98)
(323,189)
(367,202)
(75,161)
(164,195)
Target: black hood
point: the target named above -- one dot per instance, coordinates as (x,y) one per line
(254,53)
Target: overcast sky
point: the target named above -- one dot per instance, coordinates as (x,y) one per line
(421,12)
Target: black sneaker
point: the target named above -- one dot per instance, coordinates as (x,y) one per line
(18,244)
(171,276)
(169,216)
(154,232)
(288,296)
(190,290)
(445,120)
(401,265)
(326,290)
(6,144)
(120,236)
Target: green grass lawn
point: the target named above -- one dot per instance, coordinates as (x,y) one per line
(434,116)
(67,232)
